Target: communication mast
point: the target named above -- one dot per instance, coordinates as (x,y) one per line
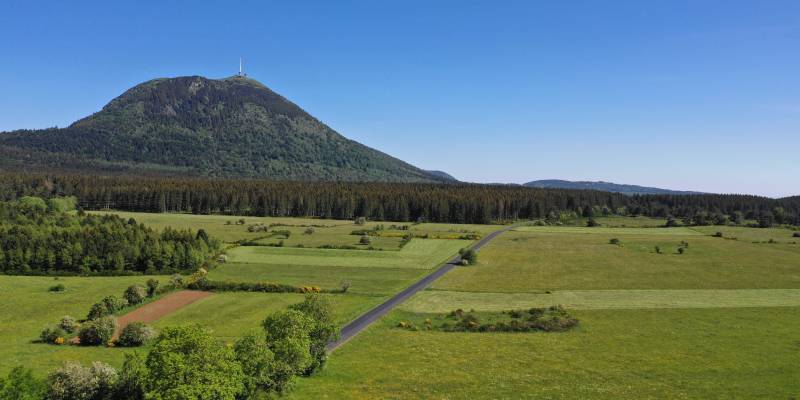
(241,70)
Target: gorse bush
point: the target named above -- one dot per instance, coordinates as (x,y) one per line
(135,334)
(51,333)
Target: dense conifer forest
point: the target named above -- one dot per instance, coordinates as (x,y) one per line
(452,203)
(44,237)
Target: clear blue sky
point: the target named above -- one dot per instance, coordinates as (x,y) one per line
(699,95)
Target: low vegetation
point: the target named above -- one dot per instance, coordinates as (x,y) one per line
(550,319)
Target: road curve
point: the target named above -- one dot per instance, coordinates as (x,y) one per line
(359,324)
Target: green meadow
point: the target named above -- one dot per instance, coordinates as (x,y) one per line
(373,275)
(716,321)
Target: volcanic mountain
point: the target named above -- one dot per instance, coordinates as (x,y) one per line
(233,127)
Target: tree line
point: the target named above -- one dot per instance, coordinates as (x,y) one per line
(449,203)
(43,237)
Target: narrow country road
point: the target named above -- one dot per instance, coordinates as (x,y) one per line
(359,324)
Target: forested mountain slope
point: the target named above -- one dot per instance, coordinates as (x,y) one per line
(234,127)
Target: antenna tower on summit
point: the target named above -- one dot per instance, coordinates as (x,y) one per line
(241,70)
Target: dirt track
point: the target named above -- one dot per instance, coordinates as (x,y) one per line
(166,305)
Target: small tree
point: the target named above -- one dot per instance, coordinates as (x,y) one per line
(360,221)
(287,334)
(658,249)
(365,240)
(135,294)
(257,361)
(591,223)
(681,250)
(345,286)
(152,287)
(186,362)
(323,330)
(796,234)
(21,385)
(309,230)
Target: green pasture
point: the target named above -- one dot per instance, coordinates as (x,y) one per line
(537,260)
(442,301)
(720,353)
(229,315)
(27,306)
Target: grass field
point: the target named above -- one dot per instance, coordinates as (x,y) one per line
(718,321)
(442,301)
(534,260)
(727,353)
(27,306)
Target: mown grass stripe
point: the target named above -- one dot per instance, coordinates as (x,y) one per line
(437,301)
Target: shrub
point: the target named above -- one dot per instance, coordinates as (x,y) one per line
(109,305)
(681,250)
(135,334)
(345,286)
(51,333)
(591,223)
(614,241)
(796,234)
(176,280)
(98,331)
(470,255)
(364,240)
(360,221)
(135,294)
(57,288)
(718,234)
(73,381)
(309,230)
(68,324)
(98,310)
(152,287)
(658,249)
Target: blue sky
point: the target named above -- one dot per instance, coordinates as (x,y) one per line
(696,95)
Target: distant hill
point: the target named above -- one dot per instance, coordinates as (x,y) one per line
(604,186)
(233,127)
(442,174)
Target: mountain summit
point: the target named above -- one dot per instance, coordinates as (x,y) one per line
(233,127)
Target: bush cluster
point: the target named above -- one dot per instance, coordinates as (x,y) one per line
(266,287)
(551,319)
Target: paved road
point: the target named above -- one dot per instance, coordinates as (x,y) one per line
(360,323)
